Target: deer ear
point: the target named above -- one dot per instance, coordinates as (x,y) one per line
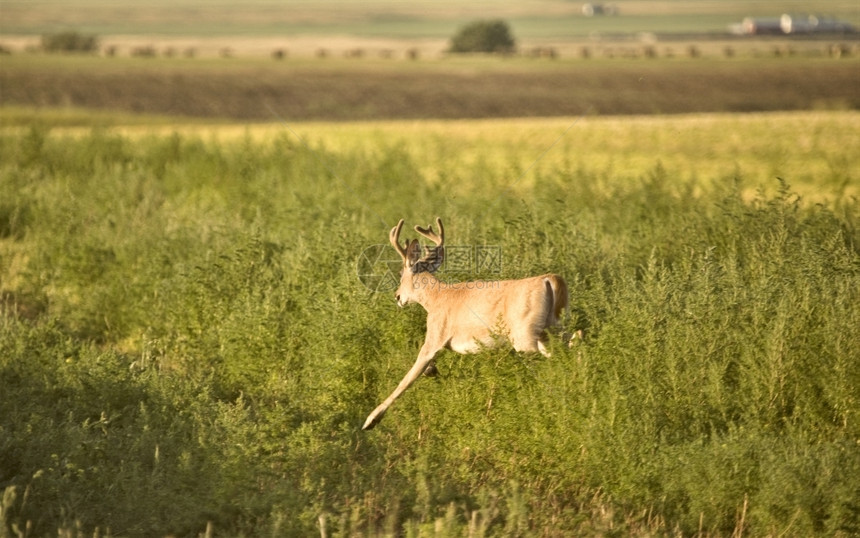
(433,258)
(413,252)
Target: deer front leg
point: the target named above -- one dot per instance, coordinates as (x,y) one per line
(425,358)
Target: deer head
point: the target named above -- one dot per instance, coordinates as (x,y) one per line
(414,264)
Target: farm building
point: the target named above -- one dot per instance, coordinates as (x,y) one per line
(808,24)
(788,24)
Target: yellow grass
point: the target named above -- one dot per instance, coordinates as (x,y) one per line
(815,152)
(804,148)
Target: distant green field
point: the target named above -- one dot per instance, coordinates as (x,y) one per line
(546,19)
(187,347)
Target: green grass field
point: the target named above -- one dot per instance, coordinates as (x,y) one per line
(185,342)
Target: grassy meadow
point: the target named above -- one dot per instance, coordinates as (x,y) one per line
(186,346)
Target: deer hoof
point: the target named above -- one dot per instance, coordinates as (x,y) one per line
(372,421)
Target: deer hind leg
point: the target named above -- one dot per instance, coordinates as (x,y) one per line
(422,363)
(530,341)
(534,341)
(543,350)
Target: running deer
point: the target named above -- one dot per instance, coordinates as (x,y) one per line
(466,316)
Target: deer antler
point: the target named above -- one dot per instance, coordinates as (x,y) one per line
(428,232)
(394,237)
(433,257)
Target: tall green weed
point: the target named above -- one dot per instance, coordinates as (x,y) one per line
(185,342)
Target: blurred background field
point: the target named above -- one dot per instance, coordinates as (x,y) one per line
(265,61)
(300,24)
(264,90)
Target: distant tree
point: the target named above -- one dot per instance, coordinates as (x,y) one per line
(484,36)
(69,42)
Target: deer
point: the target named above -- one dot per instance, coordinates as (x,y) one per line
(470,316)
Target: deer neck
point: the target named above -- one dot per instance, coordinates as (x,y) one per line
(426,288)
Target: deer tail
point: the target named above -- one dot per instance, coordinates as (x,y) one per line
(557,292)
